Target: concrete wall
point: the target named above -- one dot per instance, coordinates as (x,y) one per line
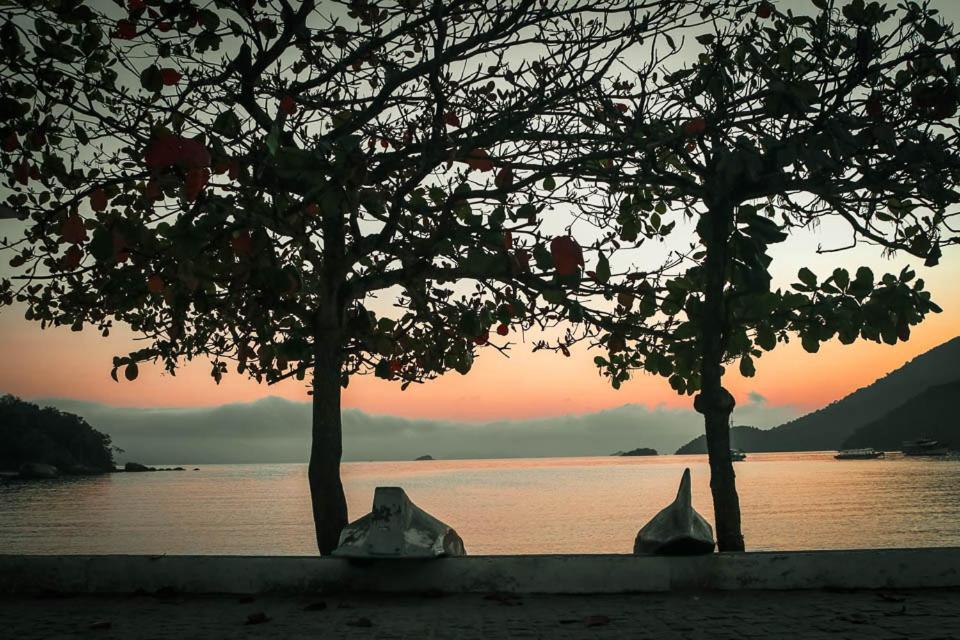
(866,569)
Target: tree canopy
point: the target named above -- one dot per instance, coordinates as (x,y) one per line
(783,121)
(239,182)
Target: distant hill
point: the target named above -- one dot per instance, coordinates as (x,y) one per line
(743,438)
(48,436)
(932,414)
(827,428)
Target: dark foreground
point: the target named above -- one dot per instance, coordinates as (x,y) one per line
(869,615)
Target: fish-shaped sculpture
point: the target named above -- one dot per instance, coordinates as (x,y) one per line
(678,530)
(397,528)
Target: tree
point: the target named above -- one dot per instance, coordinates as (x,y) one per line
(239,181)
(782,121)
(64,440)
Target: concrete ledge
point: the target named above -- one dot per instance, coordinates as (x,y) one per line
(860,569)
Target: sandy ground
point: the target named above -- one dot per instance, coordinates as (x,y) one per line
(914,615)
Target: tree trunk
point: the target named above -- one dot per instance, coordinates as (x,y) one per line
(715,402)
(326,490)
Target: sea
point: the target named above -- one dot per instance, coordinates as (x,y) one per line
(789,501)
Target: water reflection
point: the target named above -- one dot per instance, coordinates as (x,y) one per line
(565,505)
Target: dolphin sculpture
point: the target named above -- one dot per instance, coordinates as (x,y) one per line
(678,530)
(397,528)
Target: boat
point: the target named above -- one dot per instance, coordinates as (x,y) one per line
(677,530)
(923,447)
(397,528)
(737,456)
(859,454)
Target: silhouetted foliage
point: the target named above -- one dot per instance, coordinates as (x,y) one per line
(31,434)
(840,114)
(241,181)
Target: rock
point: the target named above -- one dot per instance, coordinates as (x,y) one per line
(397,528)
(642,451)
(178,469)
(38,471)
(136,466)
(426,457)
(82,470)
(678,530)
(257,618)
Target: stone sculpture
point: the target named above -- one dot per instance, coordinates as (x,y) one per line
(678,530)
(397,528)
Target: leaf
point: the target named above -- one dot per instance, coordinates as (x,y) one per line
(603,269)
(842,278)
(549,183)
(747,368)
(810,343)
(807,277)
(151,79)
(131,371)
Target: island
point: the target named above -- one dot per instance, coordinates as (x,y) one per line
(40,443)
(426,457)
(642,451)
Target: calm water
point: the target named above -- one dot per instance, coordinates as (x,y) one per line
(562,505)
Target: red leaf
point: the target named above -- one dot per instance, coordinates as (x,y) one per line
(11,143)
(120,247)
(170,77)
(311,209)
(288,105)
(136,5)
(22,172)
(153,191)
(695,127)
(164,26)
(155,284)
(451,119)
(170,150)
(622,108)
(479,159)
(507,240)
(503,330)
(567,255)
(99,200)
(195,182)
(482,339)
(764,10)
(71,259)
(72,229)
(504,179)
(125,30)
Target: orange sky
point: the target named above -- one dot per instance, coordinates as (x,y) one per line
(61,363)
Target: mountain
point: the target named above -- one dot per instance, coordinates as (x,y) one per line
(743,438)
(932,414)
(826,429)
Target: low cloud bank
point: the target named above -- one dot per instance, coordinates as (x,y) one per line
(278,430)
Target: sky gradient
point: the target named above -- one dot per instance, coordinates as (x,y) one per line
(63,364)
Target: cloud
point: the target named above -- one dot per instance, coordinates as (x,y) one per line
(756,398)
(278,430)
